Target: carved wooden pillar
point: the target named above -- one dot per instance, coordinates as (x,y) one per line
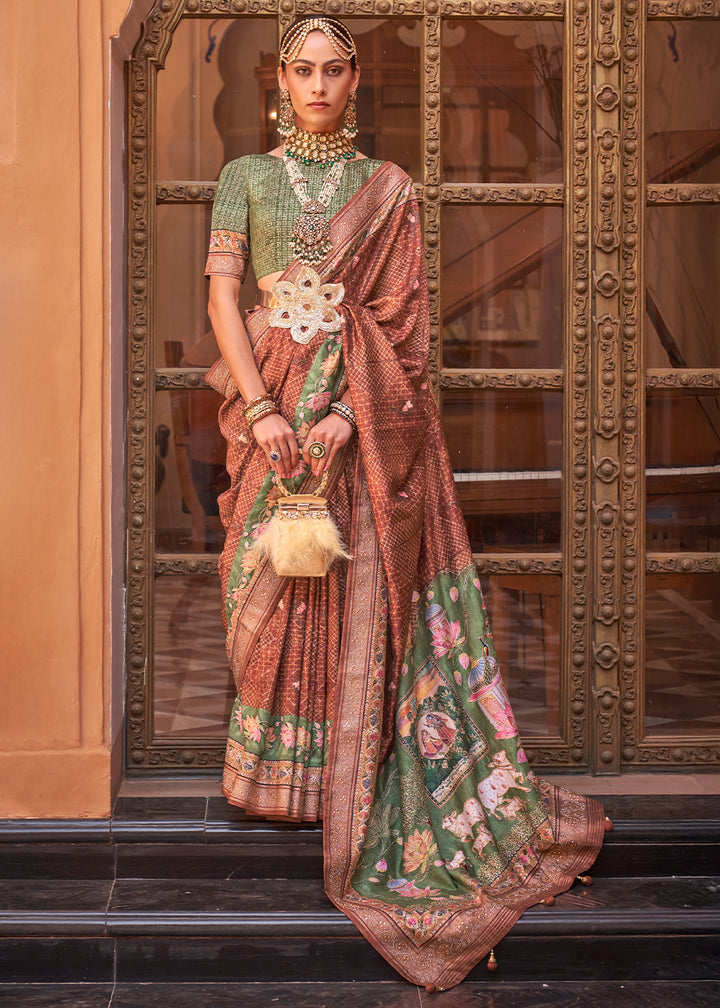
(632,389)
(611,308)
(578,318)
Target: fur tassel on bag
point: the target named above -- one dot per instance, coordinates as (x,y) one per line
(301,538)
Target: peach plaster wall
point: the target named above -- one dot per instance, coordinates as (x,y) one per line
(61,269)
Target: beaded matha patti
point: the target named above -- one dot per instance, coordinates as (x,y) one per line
(341,41)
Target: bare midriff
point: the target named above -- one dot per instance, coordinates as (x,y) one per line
(266,283)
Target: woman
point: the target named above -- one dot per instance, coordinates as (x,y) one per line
(369,697)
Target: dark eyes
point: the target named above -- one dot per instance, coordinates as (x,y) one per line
(333,71)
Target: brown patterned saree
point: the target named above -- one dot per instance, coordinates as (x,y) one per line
(372,697)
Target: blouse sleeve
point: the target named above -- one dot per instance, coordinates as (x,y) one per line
(229,236)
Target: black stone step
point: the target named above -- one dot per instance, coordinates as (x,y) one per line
(298,860)
(294,907)
(329,960)
(637,818)
(195,891)
(300,856)
(391,994)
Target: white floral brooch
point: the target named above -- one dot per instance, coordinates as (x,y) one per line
(307,307)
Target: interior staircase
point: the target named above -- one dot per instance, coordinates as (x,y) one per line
(188,902)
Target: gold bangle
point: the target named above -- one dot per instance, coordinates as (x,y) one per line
(264,398)
(260,411)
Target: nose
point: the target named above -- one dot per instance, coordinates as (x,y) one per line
(318,83)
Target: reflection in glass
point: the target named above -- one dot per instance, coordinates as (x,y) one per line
(682,266)
(217,96)
(682,72)
(502,287)
(682,654)
(192,686)
(388,97)
(189,471)
(525,616)
(506,453)
(212,95)
(183,232)
(502,101)
(683,472)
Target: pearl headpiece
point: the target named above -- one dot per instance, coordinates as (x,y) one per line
(342,43)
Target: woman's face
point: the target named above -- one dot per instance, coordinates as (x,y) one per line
(319,82)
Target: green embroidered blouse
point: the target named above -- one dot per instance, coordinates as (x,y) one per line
(255,210)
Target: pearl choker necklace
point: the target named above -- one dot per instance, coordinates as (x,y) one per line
(321,148)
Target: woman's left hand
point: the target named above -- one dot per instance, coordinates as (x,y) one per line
(332,432)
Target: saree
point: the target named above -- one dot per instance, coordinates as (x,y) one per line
(372,698)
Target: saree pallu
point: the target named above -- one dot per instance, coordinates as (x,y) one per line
(382,678)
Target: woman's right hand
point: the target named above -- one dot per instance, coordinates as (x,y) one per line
(276,437)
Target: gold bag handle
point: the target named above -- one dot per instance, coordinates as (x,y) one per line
(316,493)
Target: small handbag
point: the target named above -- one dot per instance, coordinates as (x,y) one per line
(301,538)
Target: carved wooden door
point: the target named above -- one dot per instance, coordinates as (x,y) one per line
(567,160)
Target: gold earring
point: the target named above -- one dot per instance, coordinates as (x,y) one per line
(350,120)
(286,115)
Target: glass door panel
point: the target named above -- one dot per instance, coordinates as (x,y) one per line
(682,642)
(190,474)
(682,109)
(682,416)
(683,294)
(502,101)
(183,231)
(388,96)
(211,95)
(525,617)
(505,450)
(502,286)
(192,686)
(683,472)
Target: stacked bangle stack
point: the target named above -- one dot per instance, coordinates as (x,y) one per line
(261,407)
(346,412)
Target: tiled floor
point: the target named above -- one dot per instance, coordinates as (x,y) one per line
(193,689)
(682,664)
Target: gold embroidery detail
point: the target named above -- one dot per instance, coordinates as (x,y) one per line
(307,307)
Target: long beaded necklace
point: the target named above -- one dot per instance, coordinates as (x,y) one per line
(311,234)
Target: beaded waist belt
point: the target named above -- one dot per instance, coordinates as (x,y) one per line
(264,298)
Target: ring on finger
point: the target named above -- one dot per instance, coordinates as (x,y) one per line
(317,450)
(274,455)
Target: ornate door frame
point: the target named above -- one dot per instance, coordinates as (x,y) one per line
(603,560)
